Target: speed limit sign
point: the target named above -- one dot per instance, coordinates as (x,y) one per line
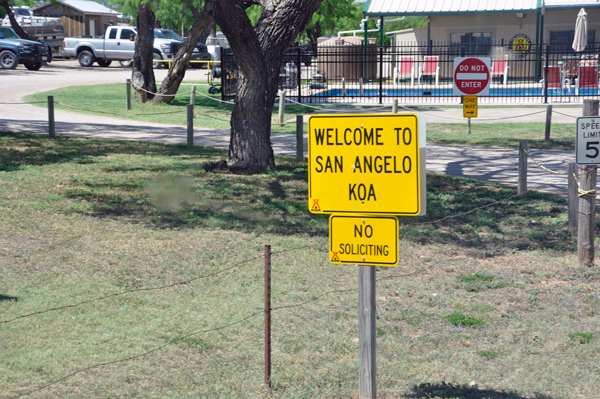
(587,141)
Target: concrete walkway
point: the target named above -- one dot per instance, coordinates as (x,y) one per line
(495,165)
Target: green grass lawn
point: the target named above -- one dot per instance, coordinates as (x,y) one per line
(484,304)
(109,100)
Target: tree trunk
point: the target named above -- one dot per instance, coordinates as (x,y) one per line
(142,74)
(176,73)
(250,149)
(13,22)
(258,51)
(210,31)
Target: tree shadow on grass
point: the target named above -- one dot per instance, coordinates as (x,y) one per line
(19,149)
(479,218)
(8,298)
(445,390)
(487,219)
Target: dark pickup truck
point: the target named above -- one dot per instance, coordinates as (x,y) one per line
(15,51)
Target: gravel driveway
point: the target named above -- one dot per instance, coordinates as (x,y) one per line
(496,165)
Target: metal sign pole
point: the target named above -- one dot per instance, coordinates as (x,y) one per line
(366,332)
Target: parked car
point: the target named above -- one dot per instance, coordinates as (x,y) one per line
(117,44)
(50,30)
(200,52)
(15,51)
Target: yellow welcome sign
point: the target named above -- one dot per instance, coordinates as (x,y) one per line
(367,163)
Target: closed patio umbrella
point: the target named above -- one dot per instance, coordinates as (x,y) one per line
(580,40)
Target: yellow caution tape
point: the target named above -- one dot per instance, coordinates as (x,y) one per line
(589,193)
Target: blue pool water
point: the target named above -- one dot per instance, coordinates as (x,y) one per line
(504,92)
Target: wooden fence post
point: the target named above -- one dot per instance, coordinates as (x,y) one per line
(281,107)
(522,186)
(366,333)
(193,96)
(268,315)
(548,123)
(190,125)
(572,177)
(299,138)
(587,202)
(128,94)
(51,126)
(587,216)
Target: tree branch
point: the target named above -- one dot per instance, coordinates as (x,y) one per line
(172,81)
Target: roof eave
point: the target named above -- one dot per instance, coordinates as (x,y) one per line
(574,7)
(414,14)
(77,9)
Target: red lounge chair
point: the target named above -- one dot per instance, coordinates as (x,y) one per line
(430,68)
(555,80)
(587,78)
(406,67)
(500,68)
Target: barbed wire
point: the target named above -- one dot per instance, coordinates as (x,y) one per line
(180,283)
(337,291)
(471,211)
(95,366)
(158,348)
(293,249)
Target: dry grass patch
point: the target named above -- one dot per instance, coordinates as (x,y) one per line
(86,218)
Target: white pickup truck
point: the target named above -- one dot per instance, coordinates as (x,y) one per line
(117,44)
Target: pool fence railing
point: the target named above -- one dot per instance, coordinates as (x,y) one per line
(345,71)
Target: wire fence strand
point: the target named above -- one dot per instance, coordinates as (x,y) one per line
(31,102)
(563,114)
(180,283)
(95,366)
(158,348)
(116,113)
(467,212)
(177,284)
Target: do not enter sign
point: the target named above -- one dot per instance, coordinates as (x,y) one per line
(471,76)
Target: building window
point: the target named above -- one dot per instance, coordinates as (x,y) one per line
(562,41)
(476,43)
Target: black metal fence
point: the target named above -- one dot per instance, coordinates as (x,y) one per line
(344,71)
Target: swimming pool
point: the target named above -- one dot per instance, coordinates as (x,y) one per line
(503,92)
